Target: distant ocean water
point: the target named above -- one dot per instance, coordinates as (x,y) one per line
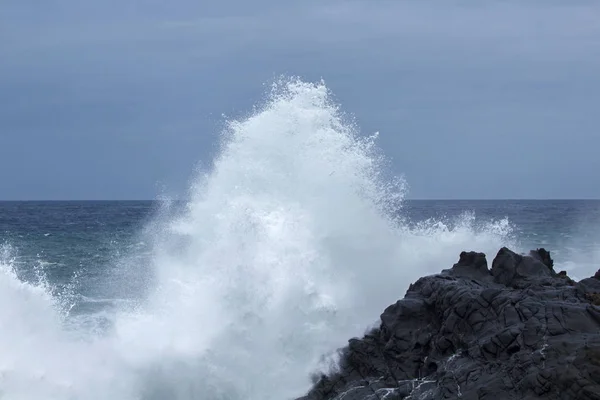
(293,243)
(569,229)
(85,238)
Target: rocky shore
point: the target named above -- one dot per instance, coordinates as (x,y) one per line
(517,330)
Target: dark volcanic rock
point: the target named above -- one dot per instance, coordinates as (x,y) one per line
(516,331)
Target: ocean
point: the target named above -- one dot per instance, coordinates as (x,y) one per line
(292,243)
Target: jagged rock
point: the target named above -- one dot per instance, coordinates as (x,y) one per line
(516,331)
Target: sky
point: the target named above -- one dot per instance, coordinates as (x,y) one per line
(121,99)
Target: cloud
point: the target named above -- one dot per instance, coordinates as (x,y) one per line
(500,29)
(434,77)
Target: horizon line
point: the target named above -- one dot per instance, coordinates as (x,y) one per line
(410,199)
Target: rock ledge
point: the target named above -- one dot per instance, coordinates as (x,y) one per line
(516,331)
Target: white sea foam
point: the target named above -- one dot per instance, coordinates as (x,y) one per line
(287,248)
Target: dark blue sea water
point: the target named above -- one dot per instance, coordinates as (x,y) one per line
(89,240)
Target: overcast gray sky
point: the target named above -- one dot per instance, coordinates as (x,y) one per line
(119,99)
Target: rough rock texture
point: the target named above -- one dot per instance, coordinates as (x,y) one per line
(516,331)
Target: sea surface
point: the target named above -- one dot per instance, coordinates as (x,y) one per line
(292,243)
(88,239)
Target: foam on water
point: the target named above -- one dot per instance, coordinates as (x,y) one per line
(286,249)
(39,357)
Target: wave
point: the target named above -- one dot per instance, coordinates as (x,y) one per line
(291,244)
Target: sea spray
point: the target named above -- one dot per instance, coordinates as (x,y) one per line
(288,246)
(39,356)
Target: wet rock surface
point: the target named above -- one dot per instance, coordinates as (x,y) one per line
(516,331)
